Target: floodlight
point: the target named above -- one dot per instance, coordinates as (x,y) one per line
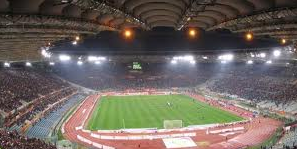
(283,41)
(188,58)
(52,63)
(101,58)
(77,38)
(249,36)
(92,58)
(28,64)
(193,62)
(45,53)
(268,62)
(97,62)
(127,33)
(205,57)
(249,62)
(192,32)
(79,62)
(276,53)
(223,62)
(74,42)
(262,55)
(184,58)
(64,57)
(173,62)
(226,57)
(6,64)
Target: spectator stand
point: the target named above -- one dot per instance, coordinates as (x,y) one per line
(45,127)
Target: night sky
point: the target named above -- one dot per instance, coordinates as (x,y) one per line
(161,40)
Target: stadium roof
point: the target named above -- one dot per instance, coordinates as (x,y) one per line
(26,25)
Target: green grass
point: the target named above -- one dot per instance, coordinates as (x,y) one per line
(149,111)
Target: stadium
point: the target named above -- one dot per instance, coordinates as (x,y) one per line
(148,74)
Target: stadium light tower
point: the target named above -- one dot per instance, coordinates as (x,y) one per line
(52,63)
(249,36)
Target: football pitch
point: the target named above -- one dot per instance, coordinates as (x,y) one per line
(150,111)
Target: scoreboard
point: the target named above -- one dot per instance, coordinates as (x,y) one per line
(136,66)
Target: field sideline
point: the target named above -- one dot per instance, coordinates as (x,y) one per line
(149,111)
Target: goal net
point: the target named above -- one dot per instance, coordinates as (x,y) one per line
(172,124)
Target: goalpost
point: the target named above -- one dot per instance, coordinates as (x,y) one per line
(172,124)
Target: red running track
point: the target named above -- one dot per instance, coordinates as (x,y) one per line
(256,131)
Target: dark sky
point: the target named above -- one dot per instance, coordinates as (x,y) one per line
(162,40)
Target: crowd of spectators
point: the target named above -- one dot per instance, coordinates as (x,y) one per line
(119,77)
(39,90)
(37,107)
(255,82)
(12,140)
(277,84)
(18,86)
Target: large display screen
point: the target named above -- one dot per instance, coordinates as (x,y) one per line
(136,66)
